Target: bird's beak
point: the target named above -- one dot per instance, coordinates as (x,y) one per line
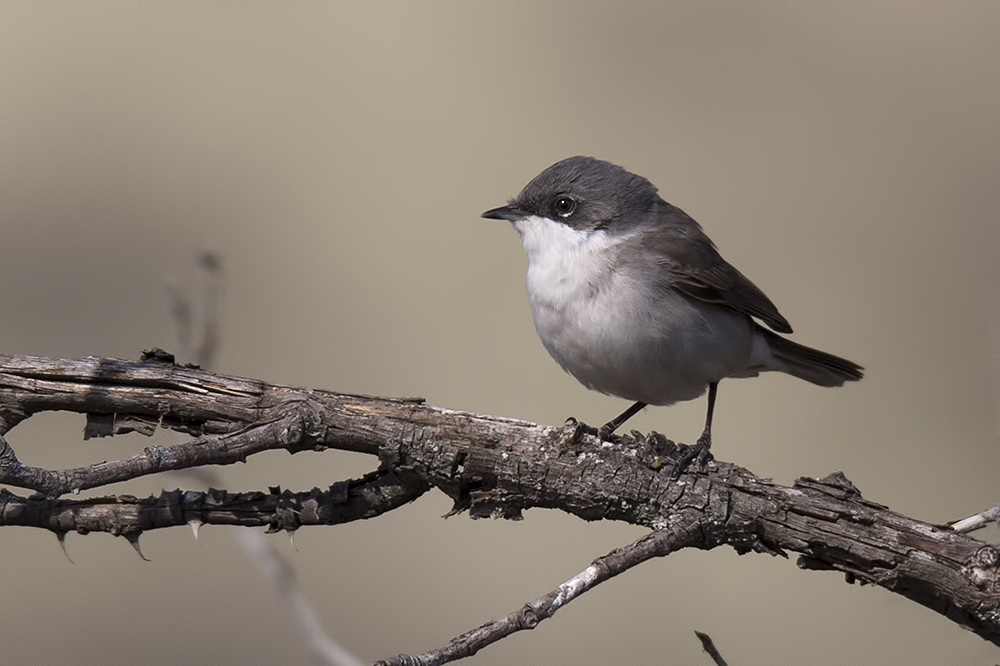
(509,212)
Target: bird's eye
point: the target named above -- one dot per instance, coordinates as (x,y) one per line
(565,206)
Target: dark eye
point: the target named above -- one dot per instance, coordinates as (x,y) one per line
(565,205)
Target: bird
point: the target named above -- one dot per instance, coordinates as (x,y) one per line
(631,297)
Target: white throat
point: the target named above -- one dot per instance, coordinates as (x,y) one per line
(561,260)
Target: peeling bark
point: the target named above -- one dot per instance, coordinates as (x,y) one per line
(488,465)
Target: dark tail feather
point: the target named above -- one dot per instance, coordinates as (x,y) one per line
(811,364)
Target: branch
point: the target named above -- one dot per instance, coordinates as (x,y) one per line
(343,502)
(269,561)
(709,646)
(977,521)
(656,544)
(324,650)
(489,466)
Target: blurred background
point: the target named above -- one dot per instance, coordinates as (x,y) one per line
(337,157)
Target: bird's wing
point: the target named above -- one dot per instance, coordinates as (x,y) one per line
(693,266)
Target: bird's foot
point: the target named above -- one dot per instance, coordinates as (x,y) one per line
(581,428)
(605,431)
(700,454)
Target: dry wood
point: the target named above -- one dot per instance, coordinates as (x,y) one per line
(489,466)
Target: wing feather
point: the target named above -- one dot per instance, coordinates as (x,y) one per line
(692,265)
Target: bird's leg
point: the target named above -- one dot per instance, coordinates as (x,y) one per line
(701,451)
(605,430)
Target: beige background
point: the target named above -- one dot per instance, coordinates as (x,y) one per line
(338,156)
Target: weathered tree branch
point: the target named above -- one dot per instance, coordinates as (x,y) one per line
(683,533)
(488,465)
(709,646)
(978,521)
(198,338)
(343,502)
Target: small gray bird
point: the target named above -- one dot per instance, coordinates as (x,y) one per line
(631,297)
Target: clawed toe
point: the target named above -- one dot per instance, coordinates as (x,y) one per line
(700,454)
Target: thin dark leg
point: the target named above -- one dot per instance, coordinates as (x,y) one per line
(605,430)
(706,435)
(701,451)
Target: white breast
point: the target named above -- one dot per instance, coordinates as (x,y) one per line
(615,333)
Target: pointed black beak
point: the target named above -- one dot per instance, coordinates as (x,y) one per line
(509,212)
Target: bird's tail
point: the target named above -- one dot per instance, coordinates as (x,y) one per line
(811,364)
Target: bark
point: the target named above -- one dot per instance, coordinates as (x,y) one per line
(488,465)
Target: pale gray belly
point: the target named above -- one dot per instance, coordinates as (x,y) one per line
(657,350)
